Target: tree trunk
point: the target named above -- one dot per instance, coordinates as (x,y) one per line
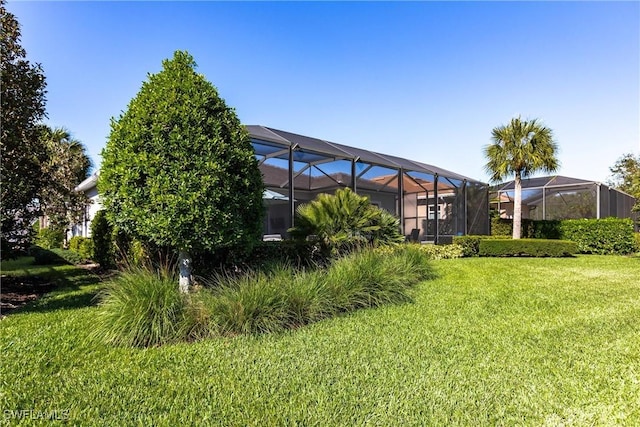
(517,206)
(184,265)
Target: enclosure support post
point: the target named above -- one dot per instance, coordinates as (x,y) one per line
(544,203)
(354,187)
(401,199)
(464,195)
(292,208)
(598,200)
(436,224)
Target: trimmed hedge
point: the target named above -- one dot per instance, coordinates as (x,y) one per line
(600,236)
(527,247)
(471,243)
(594,236)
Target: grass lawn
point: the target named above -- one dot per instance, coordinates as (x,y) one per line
(488,342)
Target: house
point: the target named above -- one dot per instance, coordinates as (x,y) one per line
(432,203)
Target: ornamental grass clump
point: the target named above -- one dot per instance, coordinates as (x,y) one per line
(370,278)
(141,308)
(145,308)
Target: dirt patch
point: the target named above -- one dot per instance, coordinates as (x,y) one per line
(16,292)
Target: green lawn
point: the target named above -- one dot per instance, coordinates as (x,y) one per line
(488,342)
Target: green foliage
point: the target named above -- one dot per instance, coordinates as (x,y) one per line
(50,237)
(600,236)
(297,253)
(522,148)
(636,237)
(66,166)
(532,229)
(101,235)
(22,107)
(83,246)
(625,176)
(433,252)
(178,169)
(527,247)
(344,221)
(141,308)
(470,245)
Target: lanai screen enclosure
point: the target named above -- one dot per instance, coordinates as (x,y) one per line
(432,204)
(561,197)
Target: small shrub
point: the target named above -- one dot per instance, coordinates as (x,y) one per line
(50,238)
(101,235)
(83,246)
(501,227)
(600,236)
(141,308)
(526,247)
(636,237)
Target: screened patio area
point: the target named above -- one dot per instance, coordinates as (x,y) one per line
(561,197)
(432,204)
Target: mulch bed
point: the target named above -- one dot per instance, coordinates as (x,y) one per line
(16,292)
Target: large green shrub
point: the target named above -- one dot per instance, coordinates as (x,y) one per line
(50,237)
(527,247)
(600,236)
(179,170)
(101,235)
(344,221)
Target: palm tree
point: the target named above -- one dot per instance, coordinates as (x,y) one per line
(520,148)
(67,165)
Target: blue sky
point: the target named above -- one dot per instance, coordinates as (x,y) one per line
(422,80)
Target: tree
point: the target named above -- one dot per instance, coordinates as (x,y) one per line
(66,166)
(22,107)
(179,170)
(520,148)
(625,176)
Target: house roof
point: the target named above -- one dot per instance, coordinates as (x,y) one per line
(270,142)
(88,183)
(543,182)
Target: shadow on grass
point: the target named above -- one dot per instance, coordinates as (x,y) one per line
(73,288)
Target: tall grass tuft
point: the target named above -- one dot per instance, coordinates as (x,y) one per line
(141,308)
(249,303)
(370,278)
